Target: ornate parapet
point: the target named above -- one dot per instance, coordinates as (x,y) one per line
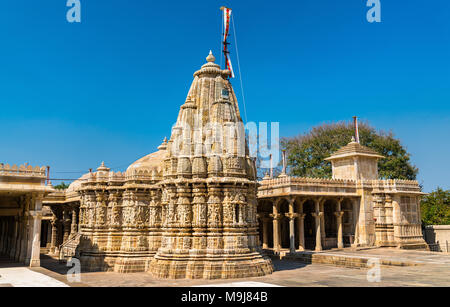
(306,186)
(394,186)
(23,179)
(24,170)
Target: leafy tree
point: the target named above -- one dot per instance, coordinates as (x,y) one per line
(306,152)
(435,208)
(61,186)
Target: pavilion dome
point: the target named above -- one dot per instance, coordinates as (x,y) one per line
(75,186)
(151,162)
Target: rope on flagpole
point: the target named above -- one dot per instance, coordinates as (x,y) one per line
(239,68)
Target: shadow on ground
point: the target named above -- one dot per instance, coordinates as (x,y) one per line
(54,265)
(287,265)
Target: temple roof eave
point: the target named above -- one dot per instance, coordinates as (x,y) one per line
(347,155)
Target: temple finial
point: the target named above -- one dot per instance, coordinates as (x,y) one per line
(210,58)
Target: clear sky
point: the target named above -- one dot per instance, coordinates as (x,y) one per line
(109,88)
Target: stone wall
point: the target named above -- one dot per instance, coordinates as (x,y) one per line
(440,235)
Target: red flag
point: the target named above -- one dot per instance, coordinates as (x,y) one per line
(226,24)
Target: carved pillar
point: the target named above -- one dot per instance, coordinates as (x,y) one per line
(66,224)
(292,217)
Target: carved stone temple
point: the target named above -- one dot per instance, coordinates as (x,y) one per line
(194,208)
(188,210)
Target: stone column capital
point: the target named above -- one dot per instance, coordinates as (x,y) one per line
(320,214)
(37,214)
(291,200)
(276,216)
(339,214)
(291,216)
(301,215)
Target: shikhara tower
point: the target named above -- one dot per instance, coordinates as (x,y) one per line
(209,187)
(188,210)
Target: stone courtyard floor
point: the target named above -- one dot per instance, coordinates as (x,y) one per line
(420,269)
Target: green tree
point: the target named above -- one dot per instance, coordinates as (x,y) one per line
(61,186)
(306,152)
(435,208)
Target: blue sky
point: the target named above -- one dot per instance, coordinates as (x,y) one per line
(110,87)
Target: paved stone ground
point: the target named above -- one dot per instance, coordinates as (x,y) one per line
(434,270)
(15,275)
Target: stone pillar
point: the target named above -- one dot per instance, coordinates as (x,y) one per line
(265,244)
(276,228)
(292,217)
(340,239)
(318,221)
(318,217)
(301,231)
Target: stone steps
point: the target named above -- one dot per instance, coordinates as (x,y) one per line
(343,260)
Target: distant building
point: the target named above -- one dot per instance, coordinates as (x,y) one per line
(22,190)
(354,208)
